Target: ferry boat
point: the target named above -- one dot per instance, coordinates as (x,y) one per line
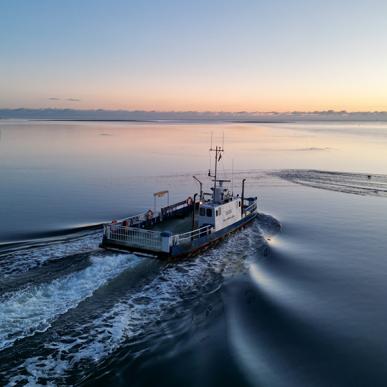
(187,227)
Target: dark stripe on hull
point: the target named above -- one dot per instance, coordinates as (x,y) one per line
(207,241)
(117,246)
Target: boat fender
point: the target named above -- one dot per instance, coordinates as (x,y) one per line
(189,201)
(149,214)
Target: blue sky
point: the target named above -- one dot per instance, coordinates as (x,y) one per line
(194,55)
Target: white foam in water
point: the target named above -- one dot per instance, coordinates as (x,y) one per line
(32,310)
(20,261)
(131,315)
(354,183)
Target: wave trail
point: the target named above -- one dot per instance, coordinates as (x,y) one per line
(31,310)
(20,261)
(353,183)
(145,311)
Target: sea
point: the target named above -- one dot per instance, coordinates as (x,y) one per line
(298,298)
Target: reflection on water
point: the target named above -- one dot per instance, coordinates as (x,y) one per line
(61,175)
(296,299)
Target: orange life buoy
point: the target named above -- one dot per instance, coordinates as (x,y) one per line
(149,214)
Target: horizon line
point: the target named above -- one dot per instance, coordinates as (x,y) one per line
(71,114)
(239,112)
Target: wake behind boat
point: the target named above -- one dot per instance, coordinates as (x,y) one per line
(186,227)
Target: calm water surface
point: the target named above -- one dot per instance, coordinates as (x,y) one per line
(296,299)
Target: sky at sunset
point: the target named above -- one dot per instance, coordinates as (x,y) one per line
(211,55)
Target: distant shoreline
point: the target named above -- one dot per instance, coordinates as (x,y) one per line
(101,115)
(198,121)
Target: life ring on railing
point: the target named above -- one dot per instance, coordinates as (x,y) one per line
(125,223)
(114,221)
(149,214)
(189,201)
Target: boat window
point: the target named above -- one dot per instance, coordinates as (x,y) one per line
(217,214)
(202,211)
(220,211)
(209,212)
(239,204)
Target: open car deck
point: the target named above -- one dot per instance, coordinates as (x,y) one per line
(176,225)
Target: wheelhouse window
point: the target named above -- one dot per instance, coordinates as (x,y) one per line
(209,212)
(202,211)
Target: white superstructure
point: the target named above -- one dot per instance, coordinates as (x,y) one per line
(223,209)
(220,215)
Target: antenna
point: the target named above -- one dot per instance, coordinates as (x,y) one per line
(209,157)
(218,155)
(232,177)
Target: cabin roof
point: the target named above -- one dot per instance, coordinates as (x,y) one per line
(215,205)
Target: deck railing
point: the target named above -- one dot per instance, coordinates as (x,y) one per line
(191,235)
(134,237)
(173,208)
(165,212)
(151,240)
(251,208)
(135,219)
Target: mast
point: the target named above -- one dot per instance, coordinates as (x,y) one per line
(232,178)
(218,154)
(216,169)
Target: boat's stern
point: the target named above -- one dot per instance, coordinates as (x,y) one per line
(117,236)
